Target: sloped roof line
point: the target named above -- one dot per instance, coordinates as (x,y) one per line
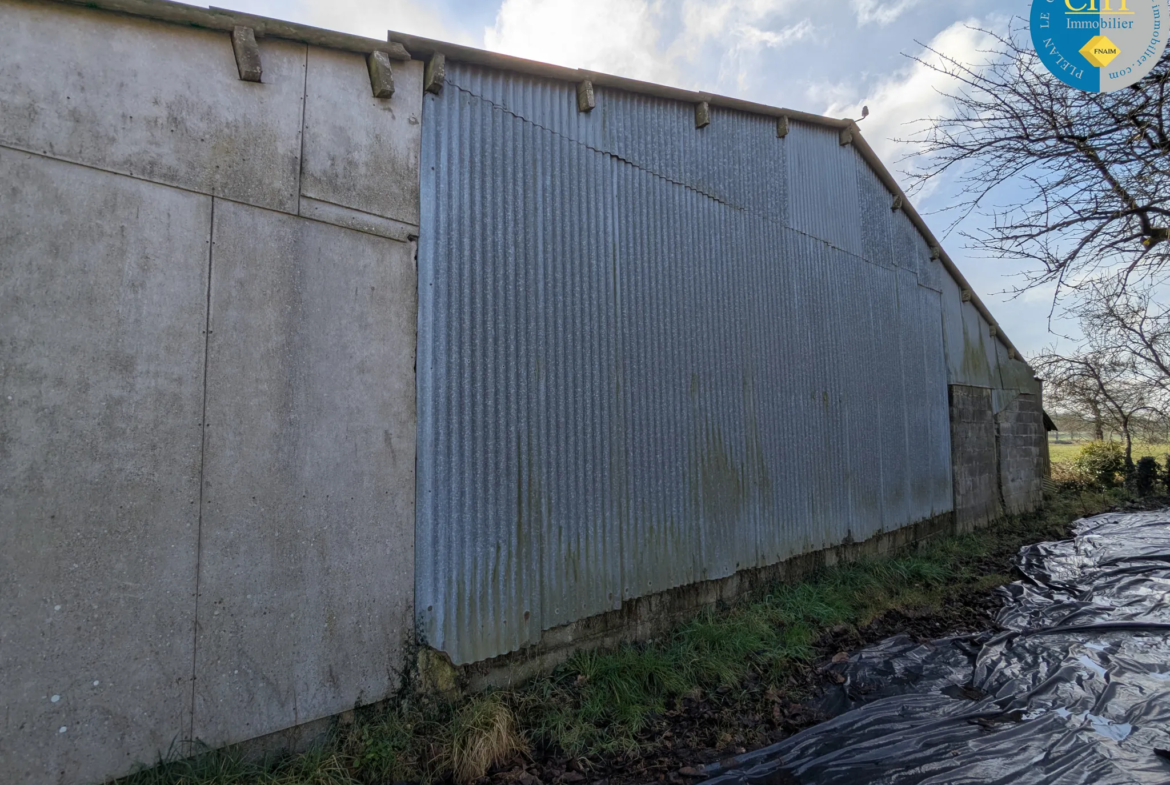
(401,46)
(424,47)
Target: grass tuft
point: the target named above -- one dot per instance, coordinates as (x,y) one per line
(483,734)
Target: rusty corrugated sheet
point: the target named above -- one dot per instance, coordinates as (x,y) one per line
(651,355)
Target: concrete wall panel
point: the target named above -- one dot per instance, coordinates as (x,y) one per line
(103,292)
(362,152)
(156,101)
(306,571)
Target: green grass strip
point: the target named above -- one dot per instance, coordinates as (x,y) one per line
(602,703)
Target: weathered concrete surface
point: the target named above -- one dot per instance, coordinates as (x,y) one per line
(103,283)
(306,569)
(362,152)
(1022,451)
(159,102)
(305,574)
(974,461)
(337,215)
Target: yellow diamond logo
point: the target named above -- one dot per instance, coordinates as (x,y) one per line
(1100,51)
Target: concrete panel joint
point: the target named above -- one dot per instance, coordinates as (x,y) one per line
(702,114)
(381,74)
(247,54)
(435,74)
(585,99)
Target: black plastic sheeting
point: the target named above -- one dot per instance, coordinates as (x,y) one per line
(1074,688)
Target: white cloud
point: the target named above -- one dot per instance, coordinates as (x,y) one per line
(703,19)
(881,12)
(625,37)
(616,36)
(740,58)
(909,94)
(753,37)
(370,18)
(732,34)
(373,18)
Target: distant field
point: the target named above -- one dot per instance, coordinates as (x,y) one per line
(1067,451)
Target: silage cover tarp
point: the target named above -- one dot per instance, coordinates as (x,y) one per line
(1074,686)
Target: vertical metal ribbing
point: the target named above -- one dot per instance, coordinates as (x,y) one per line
(649,355)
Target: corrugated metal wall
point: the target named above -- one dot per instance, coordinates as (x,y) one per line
(651,355)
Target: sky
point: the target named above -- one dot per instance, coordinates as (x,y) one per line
(829,57)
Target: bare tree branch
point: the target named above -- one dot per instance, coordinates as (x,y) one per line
(1089,172)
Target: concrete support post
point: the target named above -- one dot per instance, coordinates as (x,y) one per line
(702,114)
(436,73)
(381,74)
(247,54)
(585,98)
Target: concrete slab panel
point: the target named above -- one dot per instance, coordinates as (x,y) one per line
(307,560)
(362,152)
(156,101)
(103,297)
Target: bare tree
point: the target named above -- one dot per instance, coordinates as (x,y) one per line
(1100,384)
(1131,322)
(1077,186)
(1090,172)
(1119,377)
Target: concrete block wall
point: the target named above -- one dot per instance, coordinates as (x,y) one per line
(974,458)
(1022,451)
(207,395)
(998,453)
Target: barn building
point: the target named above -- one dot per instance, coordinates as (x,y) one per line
(317,349)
